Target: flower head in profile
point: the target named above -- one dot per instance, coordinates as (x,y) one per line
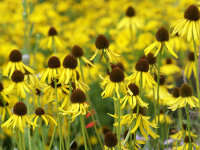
(18,85)
(141,73)
(69,70)
(52,40)
(114,83)
(132,97)
(15,63)
(102,44)
(78,104)
(131,20)
(40,113)
(189,26)
(190,65)
(52,70)
(162,38)
(19,118)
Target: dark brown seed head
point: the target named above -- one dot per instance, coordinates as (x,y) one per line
(192,13)
(130,12)
(52,32)
(187,139)
(191,56)
(70,62)
(141,111)
(112,67)
(151,59)
(134,89)
(77,51)
(117,75)
(176,92)
(74,146)
(162,34)
(17,76)
(15,56)
(185,90)
(20,109)
(38,91)
(106,130)
(142,65)
(168,61)
(110,140)
(161,80)
(1,87)
(78,96)
(102,42)
(39,111)
(121,66)
(54,62)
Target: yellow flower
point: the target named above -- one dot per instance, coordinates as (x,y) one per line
(52,70)
(15,63)
(113,83)
(189,26)
(141,74)
(78,104)
(185,98)
(102,45)
(162,37)
(69,70)
(186,144)
(19,119)
(18,85)
(190,66)
(132,97)
(39,112)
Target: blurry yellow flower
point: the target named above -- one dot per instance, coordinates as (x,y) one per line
(190,66)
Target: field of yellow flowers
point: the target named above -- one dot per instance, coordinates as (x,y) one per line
(100,75)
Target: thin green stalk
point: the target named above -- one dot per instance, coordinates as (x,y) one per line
(115,110)
(58,116)
(52,138)
(69,123)
(41,131)
(83,131)
(130,143)
(54,46)
(107,62)
(118,127)
(88,139)
(188,125)
(20,140)
(196,67)
(134,140)
(29,133)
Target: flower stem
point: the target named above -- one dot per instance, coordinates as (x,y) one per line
(197,71)
(29,134)
(134,140)
(130,143)
(188,125)
(118,127)
(83,131)
(41,131)
(54,46)
(69,123)
(52,138)
(107,62)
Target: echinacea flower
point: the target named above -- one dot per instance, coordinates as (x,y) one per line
(78,52)
(186,144)
(141,74)
(190,66)
(162,38)
(78,104)
(18,85)
(172,99)
(132,97)
(69,70)
(47,42)
(185,97)
(189,26)
(19,118)
(52,70)
(114,83)
(15,63)
(40,113)
(130,21)
(102,45)
(169,68)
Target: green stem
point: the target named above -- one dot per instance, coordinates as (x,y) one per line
(29,134)
(134,140)
(88,139)
(188,125)
(107,62)
(58,116)
(118,127)
(41,131)
(83,131)
(54,46)
(69,123)
(130,143)
(52,138)
(197,73)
